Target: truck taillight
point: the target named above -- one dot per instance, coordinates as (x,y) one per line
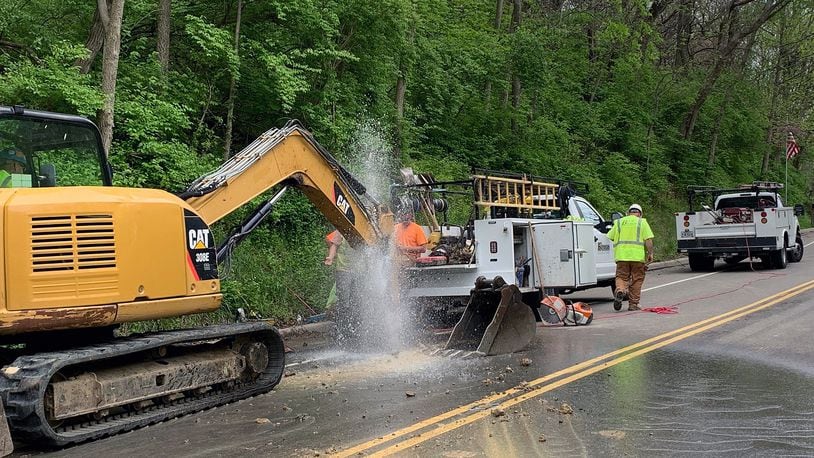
(763,220)
(686,224)
(762,214)
(686,218)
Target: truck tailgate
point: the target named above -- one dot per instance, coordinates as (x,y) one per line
(713,231)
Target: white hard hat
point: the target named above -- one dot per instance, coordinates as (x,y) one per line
(635,207)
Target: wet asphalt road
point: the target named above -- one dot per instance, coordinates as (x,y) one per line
(639,384)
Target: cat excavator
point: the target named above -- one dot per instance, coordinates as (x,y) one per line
(80,257)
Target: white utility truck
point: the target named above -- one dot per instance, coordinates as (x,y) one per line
(736,224)
(532,231)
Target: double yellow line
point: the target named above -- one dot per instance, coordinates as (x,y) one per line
(477,410)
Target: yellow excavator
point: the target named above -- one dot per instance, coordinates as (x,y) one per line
(80,257)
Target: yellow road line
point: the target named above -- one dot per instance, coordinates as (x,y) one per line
(569,370)
(539,391)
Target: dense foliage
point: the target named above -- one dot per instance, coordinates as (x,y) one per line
(636,98)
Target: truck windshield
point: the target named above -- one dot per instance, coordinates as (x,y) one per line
(758,202)
(38,152)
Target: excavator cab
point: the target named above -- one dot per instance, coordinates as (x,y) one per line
(35,146)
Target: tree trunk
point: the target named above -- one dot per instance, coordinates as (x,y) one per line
(96,38)
(516,86)
(706,89)
(717,129)
(401,90)
(515,100)
(498,14)
(686,12)
(230,104)
(517,11)
(163,34)
(112,20)
(534,102)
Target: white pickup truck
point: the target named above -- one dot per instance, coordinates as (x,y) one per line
(534,241)
(748,222)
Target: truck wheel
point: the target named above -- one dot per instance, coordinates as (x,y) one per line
(701,262)
(779,258)
(796,254)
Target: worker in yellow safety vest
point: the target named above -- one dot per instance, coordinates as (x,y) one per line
(633,249)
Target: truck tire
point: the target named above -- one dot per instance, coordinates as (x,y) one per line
(779,258)
(796,254)
(701,262)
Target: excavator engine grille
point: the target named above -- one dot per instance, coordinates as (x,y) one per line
(72,243)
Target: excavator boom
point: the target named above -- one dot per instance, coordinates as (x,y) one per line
(290,156)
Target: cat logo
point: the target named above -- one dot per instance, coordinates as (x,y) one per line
(198,239)
(343,205)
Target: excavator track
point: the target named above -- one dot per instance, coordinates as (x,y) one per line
(31,399)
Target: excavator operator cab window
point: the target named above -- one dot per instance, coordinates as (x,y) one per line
(40,152)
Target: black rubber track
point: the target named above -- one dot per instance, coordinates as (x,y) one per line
(23,392)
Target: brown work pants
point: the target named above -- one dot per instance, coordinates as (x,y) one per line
(630,273)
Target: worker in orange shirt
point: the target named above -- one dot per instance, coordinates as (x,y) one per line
(410,239)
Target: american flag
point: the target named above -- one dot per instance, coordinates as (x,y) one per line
(792,149)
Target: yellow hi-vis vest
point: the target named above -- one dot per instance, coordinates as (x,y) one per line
(628,235)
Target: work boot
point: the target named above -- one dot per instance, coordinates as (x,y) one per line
(617,300)
(633,307)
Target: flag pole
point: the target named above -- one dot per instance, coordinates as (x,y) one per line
(789,138)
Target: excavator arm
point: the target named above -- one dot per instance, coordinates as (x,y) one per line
(290,156)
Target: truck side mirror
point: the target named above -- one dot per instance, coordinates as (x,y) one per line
(48,176)
(604,226)
(799,210)
(615,216)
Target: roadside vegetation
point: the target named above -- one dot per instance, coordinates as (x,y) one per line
(637,99)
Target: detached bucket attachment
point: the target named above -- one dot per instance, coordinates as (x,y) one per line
(6,445)
(495,321)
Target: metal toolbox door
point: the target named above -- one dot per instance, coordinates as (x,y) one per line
(585,254)
(554,254)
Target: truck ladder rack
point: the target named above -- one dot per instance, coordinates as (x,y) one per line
(515,192)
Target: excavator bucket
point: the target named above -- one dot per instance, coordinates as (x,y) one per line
(6,446)
(495,321)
